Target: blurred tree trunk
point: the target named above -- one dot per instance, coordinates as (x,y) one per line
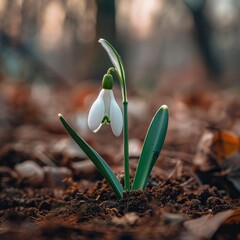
(204,36)
(106,28)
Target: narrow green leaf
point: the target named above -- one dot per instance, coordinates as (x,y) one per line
(151,148)
(114,57)
(97,160)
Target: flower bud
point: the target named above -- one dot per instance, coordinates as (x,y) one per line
(107,82)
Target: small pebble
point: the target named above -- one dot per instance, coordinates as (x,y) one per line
(30,171)
(54,176)
(84,167)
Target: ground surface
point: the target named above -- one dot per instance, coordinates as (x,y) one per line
(50,190)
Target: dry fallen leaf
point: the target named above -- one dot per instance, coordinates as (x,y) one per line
(201,159)
(225,143)
(218,145)
(218,157)
(206,226)
(234,218)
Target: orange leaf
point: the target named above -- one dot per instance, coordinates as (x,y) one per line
(225,143)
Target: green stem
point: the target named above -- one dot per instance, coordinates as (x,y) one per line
(125,128)
(126,150)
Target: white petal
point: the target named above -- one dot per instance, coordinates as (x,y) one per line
(96,113)
(107,100)
(97,128)
(115,117)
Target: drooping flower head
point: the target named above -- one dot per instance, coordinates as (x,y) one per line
(105,109)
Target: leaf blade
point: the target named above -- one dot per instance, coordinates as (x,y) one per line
(114,57)
(151,148)
(97,160)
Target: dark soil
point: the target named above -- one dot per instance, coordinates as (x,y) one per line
(58,194)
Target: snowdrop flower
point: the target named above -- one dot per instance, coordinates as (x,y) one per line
(105,109)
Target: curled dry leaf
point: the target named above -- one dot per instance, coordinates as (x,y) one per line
(225,144)
(234,218)
(216,144)
(218,154)
(201,159)
(206,226)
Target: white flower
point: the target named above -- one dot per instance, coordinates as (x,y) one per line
(105,110)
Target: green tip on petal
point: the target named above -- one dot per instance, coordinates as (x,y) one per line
(107,82)
(106,120)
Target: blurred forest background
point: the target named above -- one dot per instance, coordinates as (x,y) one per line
(161,41)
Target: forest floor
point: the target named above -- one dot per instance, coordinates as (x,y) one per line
(50,190)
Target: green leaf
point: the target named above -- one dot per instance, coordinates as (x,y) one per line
(114,57)
(151,148)
(97,160)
